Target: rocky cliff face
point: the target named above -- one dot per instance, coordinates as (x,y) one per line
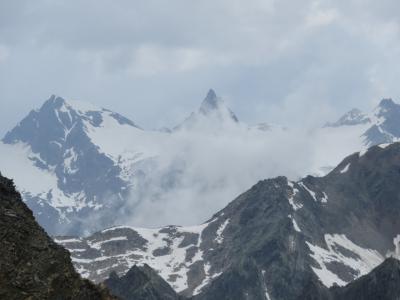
(382,283)
(32,266)
(141,283)
(279,240)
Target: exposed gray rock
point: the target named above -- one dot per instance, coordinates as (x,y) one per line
(381,283)
(32,266)
(141,283)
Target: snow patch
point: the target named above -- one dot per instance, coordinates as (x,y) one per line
(172,266)
(345,169)
(362,261)
(324,198)
(83,107)
(295,225)
(70,159)
(65,241)
(97,245)
(207,279)
(291,197)
(267,296)
(313,195)
(383,146)
(219,239)
(396,242)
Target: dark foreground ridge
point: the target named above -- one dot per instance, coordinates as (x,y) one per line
(32,266)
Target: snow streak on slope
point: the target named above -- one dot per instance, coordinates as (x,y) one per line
(344,252)
(267,296)
(291,198)
(219,239)
(172,251)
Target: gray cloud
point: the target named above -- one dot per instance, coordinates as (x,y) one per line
(153,61)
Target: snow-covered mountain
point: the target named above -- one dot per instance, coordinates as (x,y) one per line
(78,166)
(380,126)
(70,159)
(213,114)
(281,239)
(352,118)
(355,131)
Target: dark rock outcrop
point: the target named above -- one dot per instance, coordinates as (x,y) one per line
(141,283)
(381,283)
(32,266)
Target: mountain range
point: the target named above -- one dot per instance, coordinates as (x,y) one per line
(82,169)
(34,267)
(78,166)
(273,241)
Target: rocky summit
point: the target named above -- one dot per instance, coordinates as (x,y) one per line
(141,283)
(279,240)
(32,266)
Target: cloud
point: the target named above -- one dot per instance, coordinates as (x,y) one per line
(199,172)
(294,63)
(154,60)
(4,53)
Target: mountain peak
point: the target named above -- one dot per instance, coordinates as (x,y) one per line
(352,117)
(211,96)
(386,108)
(211,102)
(212,112)
(54,101)
(387,103)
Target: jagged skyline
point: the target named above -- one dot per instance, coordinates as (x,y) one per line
(274,61)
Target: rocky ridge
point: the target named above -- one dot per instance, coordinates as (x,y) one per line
(277,239)
(32,265)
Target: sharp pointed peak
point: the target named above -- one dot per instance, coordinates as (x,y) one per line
(211,102)
(211,94)
(54,101)
(385,106)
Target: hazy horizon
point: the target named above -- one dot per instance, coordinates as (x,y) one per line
(271,61)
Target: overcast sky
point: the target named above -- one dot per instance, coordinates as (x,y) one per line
(290,62)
